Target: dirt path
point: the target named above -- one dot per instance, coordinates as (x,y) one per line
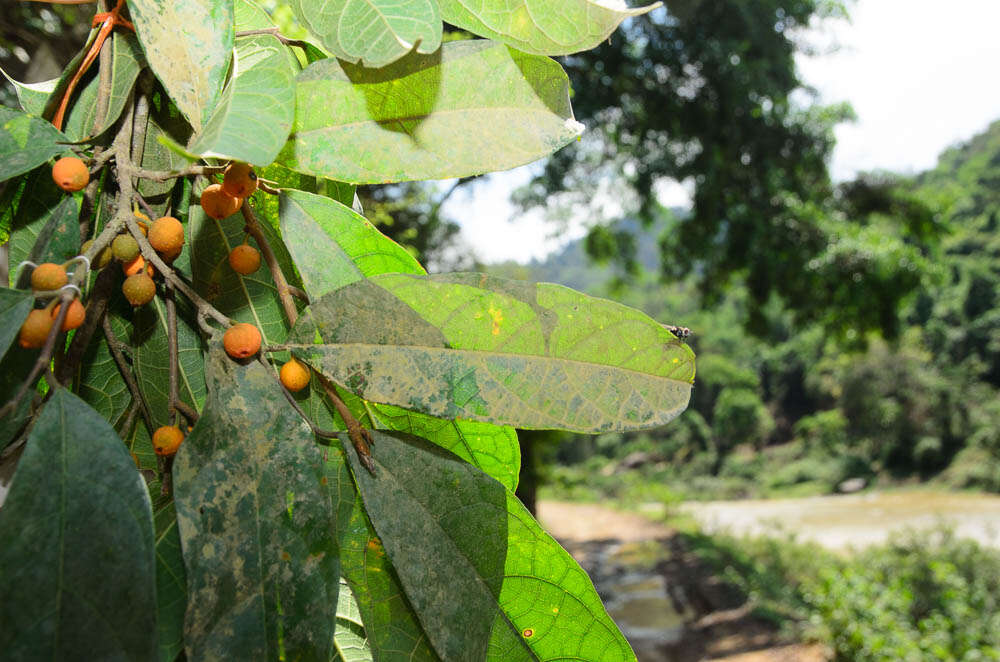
(585,522)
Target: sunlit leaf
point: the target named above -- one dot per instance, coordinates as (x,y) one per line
(26,142)
(547,27)
(332,245)
(484,579)
(188,44)
(471,107)
(77,568)
(488,349)
(32,96)
(256,524)
(349,641)
(374,32)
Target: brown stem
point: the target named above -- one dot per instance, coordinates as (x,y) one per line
(187,411)
(360,437)
(126,373)
(274,33)
(284,294)
(164,175)
(97,304)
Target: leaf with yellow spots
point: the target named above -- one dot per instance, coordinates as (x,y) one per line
(470,346)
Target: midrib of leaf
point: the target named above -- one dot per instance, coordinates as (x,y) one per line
(423,117)
(162,319)
(62,513)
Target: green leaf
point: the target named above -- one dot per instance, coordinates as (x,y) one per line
(488,349)
(126,62)
(165,127)
(152,365)
(254,114)
(252,299)
(374,32)
(99,382)
(45,227)
(26,142)
(188,44)
(332,245)
(394,633)
(484,579)
(472,107)
(546,27)
(77,569)
(349,640)
(32,96)
(171,588)
(494,449)
(14,369)
(256,524)
(14,308)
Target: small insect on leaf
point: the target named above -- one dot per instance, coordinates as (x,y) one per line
(682,332)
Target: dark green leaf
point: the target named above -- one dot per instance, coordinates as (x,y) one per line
(165,127)
(546,27)
(77,567)
(471,107)
(374,32)
(188,44)
(171,587)
(14,308)
(151,360)
(488,349)
(252,299)
(256,524)
(14,369)
(126,62)
(45,227)
(26,142)
(394,633)
(484,579)
(100,383)
(332,245)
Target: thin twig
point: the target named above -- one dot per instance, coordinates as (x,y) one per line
(126,372)
(187,411)
(274,33)
(133,411)
(360,437)
(266,187)
(164,175)
(97,304)
(284,294)
(298,294)
(319,432)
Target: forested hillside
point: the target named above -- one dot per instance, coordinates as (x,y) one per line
(805,406)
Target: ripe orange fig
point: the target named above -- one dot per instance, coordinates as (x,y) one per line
(241,340)
(75,315)
(239,180)
(139,289)
(35,329)
(70,174)
(48,276)
(135,266)
(167,439)
(295,375)
(166,235)
(244,259)
(217,203)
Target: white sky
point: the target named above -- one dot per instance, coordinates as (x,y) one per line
(921,76)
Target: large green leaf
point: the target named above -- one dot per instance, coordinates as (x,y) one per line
(165,126)
(484,579)
(77,568)
(374,32)
(547,27)
(256,524)
(489,349)
(14,308)
(45,227)
(472,107)
(126,62)
(253,298)
(26,142)
(152,365)
(394,633)
(171,587)
(188,44)
(252,119)
(332,245)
